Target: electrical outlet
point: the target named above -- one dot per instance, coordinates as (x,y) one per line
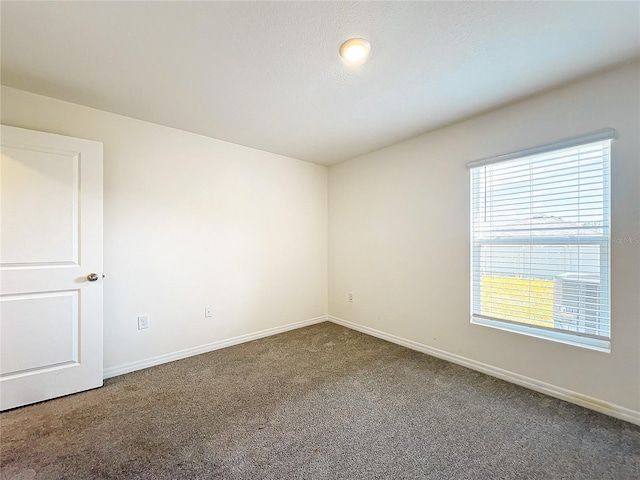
(350,297)
(143,322)
(207,312)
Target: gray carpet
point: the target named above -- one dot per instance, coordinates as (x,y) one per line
(322,402)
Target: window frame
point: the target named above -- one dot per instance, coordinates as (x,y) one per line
(580,339)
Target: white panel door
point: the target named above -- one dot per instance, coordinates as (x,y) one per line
(50,266)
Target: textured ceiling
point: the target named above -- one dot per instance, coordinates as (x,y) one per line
(267,74)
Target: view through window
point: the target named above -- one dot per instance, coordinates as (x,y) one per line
(540,244)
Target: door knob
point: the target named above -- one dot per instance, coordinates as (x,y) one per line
(92,277)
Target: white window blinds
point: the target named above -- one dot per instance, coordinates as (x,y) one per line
(540,238)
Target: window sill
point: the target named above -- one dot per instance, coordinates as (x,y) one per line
(553,335)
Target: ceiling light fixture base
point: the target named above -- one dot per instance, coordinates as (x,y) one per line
(355,51)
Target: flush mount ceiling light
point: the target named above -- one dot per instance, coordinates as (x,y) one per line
(355,51)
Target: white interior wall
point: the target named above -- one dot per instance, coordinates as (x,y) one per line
(191,221)
(399,239)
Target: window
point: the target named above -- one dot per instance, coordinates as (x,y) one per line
(540,237)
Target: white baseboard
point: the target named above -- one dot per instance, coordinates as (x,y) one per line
(209,347)
(610,409)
